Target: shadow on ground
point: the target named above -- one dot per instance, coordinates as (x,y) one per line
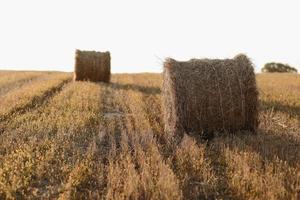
(270,146)
(279,106)
(144,89)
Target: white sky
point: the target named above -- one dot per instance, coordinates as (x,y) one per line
(43,34)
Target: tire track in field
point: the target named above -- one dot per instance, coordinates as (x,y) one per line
(89,172)
(120,144)
(35,102)
(62,145)
(133,149)
(89,177)
(7,87)
(151,106)
(8,128)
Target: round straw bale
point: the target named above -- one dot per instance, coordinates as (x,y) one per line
(92,66)
(207,95)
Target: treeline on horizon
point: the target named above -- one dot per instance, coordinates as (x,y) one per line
(278,67)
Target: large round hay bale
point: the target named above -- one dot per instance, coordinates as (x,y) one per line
(207,95)
(92,66)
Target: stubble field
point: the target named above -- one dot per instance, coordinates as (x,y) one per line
(78,140)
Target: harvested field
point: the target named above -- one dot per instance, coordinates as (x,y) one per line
(31,94)
(108,142)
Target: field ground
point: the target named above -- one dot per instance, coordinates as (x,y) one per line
(78,140)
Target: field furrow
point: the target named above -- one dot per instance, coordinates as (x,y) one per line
(31,95)
(133,154)
(85,140)
(17,80)
(57,138)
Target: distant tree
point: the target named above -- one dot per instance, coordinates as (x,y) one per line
(278,67)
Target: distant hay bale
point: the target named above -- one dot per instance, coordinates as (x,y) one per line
(92,66)
(207,95)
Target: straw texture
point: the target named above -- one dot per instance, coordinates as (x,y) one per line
(207,95)
(92,66)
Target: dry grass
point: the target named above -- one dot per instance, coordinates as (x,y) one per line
(13,80)
(108,143)
(31,94)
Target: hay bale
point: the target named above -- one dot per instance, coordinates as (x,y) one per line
(207,95)
(92,66)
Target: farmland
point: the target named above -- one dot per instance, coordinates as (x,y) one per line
(74,140)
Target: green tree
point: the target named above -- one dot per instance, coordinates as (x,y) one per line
(278,67)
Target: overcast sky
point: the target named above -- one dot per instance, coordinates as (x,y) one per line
(43,34)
